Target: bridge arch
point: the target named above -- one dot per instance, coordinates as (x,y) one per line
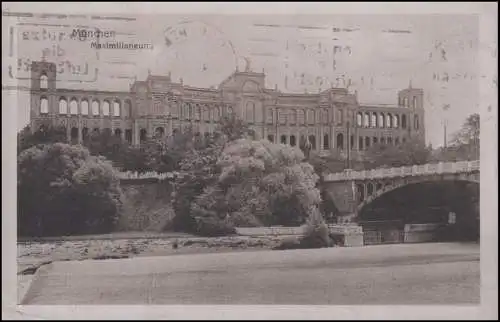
(383,188)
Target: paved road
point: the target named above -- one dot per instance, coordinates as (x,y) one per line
(393,274)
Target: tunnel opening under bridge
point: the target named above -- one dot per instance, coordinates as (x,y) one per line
(427,211)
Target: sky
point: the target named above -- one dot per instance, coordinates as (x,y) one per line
(375,55)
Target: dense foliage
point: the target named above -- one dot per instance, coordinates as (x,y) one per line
(63,190)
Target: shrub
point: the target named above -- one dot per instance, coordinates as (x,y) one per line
(63,190)
(316,234)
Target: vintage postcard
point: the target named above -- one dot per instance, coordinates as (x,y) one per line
(248,161)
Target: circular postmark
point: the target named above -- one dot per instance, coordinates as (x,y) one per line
(198,53)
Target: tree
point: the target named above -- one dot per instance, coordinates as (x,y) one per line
(64,190)
(260,183)
(45,134)
(198,168)
(410,152)
(464,145)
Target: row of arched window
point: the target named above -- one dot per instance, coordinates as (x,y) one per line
(198,112)
(296,116)
(381,120)
(82,107)
(363,142)
(74,135)
(405,102)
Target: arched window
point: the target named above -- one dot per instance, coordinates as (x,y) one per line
(283,139)
(118,132)
(293,141)
(415,122)
(282,116)
(405,102)
(174,110)
(84,105)
(44,105)
(73,107)
(85,133)
(128,136)
(250,112)
(206,114)
(366,120)
(229,110)
(367,142)
(143,135)
(186,111)
(95,107)
(360,192)
(310,116)
(403,121)
(326,142)
(414,102)
(340,141)
(312,140)
(44,82)
(373,120)
(105,108)
(388,121)
(216,113)
(116,108)
(74,134)
(324,116)
(381,120)
(197,112)
(63,106)
(269,116)
(127,108)
(302,117)
(395,121)
(369,189)
(159,132)
(359,119)
(293,116)
(270,138)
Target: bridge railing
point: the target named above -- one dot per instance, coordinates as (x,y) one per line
(415,170)
(133,175)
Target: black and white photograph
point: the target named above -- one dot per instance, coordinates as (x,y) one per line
(324,154)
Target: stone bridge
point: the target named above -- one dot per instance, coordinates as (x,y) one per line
(353,190)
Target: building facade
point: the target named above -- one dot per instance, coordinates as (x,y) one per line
(332,121)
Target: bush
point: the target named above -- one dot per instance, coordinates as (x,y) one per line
(63,190)
(316,234)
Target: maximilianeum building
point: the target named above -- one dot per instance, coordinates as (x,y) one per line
(332,121)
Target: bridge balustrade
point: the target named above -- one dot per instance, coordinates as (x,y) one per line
(415,170)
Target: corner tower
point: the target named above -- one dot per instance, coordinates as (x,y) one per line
(412,99)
